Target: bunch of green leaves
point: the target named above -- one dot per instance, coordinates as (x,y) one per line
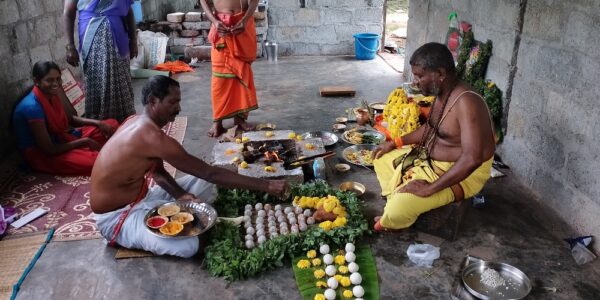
(479,68)
(493,98)
(463,53)
(227,257)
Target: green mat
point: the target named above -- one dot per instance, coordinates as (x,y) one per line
(367,268)
(146,73)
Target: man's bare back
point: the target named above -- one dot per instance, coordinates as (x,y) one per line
(118,174)
(140,145)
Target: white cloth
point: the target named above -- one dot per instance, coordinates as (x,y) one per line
(133,232)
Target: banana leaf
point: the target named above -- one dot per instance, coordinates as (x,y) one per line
(367,268)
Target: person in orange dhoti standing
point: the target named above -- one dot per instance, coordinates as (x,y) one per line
(233,38)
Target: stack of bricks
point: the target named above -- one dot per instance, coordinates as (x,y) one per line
(188,33)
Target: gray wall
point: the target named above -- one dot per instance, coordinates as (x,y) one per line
(551,144)
(323,27)
(30,30)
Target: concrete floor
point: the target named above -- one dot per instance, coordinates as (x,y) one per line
(512,228)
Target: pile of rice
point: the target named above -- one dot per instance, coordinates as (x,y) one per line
(492,278)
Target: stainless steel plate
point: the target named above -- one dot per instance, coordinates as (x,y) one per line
(516,286)
(328,138)
(348,154)
(379,136)
(205,217)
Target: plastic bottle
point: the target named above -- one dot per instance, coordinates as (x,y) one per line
(453,38)
(319,168)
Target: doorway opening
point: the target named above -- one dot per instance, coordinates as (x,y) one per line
(395,17)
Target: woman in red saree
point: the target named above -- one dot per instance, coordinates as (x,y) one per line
(50,136)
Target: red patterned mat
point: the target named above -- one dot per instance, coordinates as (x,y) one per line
(66,198)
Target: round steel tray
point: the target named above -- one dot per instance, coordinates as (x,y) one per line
(516,286)
(327,137)
(357,148)
(205,217)
(377,135)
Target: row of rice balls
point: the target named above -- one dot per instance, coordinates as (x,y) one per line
(270,222)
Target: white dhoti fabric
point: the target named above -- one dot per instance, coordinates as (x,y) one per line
(134,234)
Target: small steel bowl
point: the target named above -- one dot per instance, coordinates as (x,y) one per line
(353,186)
(339,127)
(341,120)
(342,167)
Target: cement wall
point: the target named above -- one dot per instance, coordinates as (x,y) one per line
(551,144)
(322,27)
(30,31)
(158,9)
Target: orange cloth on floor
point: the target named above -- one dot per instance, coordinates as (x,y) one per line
(233,91)
(174,67)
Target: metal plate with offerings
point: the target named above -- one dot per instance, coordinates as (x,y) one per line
(361,155)
(363,136)
(490,280)
(204,217)
(328,138)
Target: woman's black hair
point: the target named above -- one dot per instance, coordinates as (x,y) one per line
(42,68)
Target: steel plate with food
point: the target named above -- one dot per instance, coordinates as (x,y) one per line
(180,220)
(363,136)
(361,155)
(328,138)
(490,280)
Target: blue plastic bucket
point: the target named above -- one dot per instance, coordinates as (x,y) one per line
(136,7)
(366,45)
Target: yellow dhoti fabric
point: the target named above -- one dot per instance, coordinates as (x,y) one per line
(402,209)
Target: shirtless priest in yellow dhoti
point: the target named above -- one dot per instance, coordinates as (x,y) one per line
(452,152)
(233,39)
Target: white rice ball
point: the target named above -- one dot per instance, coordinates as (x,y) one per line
(278,213)
(281,219)
(324,249)
(249,237)
(358,291)
(260,226)
(261,213)
(283,230)
(246,219)
(355,278)
(301,217)
(350,247)
(270,213)
(310,220)
(249,244)
(302,227)
(329,294)
(307,213)
(273,234)
(248,207)
(291,215)
(294,226)
(267,206)
(353,267)
(260,232)
(294,230)
(248,213)
(332,282)
(288,210)
(260,220)
(271,218)
(330,270)
(272,229)
(328,259)
(298,210)
(250,230)
(262,239)
(247,224)
(292,221)
(258,206)
(278,207)
(350,257)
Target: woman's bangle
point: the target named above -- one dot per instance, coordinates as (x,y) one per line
(398,142)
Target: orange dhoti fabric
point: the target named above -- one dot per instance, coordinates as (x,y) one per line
(233,91)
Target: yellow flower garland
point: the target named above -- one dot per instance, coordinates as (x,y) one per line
(401,115)
(330,204)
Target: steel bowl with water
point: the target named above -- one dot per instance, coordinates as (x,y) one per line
(328,138)
(516,286)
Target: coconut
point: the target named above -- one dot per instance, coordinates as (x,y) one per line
(324,249)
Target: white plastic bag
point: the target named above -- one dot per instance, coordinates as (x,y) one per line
(423,255)
(138,62)
(155,47)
